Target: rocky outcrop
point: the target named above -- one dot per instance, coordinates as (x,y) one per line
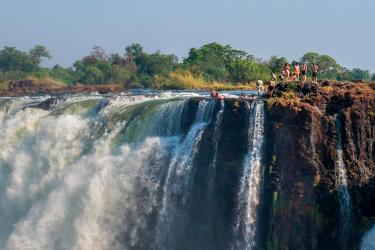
(302,151)
(48,104)
(28,87)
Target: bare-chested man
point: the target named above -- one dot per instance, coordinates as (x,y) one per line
(286,72)
(304,72)
(297,70)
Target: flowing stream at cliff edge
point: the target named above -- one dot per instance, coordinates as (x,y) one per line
(249,194)
(342,186)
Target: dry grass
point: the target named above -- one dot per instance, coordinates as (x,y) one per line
(4,85)
(49,81)
(288,98)
(186,80)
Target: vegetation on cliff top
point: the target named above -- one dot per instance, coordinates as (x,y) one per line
(210,66)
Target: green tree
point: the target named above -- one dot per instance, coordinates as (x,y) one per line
(247,70)
(66,75)
(38,53)
(359,74)
(12,59)
(156,64)
(325,63)
(121,75)
(212,60)
(310,59)
(134,50)
(328,67)
(276,64)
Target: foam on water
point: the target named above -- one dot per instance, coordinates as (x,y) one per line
(113,172)
(55,194)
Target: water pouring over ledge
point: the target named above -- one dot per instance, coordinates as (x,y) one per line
(113,172)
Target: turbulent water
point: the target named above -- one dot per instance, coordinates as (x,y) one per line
(342,186)
(123,172)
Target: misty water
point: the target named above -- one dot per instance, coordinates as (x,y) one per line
(124,172)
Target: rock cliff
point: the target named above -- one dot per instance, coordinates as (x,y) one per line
(301,194)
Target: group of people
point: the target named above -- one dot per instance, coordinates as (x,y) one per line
(298,73)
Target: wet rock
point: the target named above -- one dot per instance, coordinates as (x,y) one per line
(48,104)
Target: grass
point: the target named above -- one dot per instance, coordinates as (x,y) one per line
(4,86)
(186,80)
(288,98)
(49,81)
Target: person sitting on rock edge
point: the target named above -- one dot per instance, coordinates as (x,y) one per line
(260,87)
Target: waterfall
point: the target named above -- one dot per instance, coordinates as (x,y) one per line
(178,182)
(154,171)
(248,196)
(368,241)
(89,172)
(342,187)
(216,137)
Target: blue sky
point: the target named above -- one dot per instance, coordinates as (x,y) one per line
(343,29)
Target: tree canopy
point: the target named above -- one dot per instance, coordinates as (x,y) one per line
(212,62)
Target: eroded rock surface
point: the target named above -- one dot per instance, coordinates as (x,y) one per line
(302,151)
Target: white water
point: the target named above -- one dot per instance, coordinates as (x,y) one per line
(342,187)
(216,137)
(368,241)
(249,194)
(68,178)
(178,181)
(115,172)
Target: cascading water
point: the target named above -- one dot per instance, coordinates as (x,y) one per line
(216,137)
(248,197)
(342,187)
(368,241)
(89,173)
(178,182)
(126,172)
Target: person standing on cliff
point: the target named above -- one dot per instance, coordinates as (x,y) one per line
(315,70)
(271,87)
(304,72)
(297,70)
(286,72)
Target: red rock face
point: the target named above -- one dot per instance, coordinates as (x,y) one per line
(302,140)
